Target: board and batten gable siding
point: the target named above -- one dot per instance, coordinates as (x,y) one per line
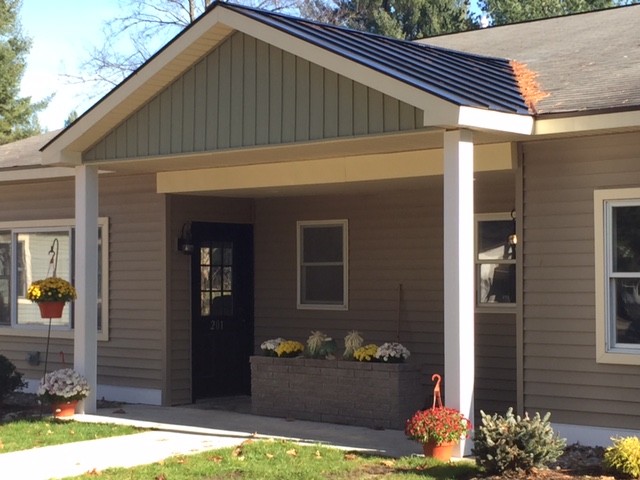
(560,370)
(134,354)
(181,210)
(247,93)
(395,238)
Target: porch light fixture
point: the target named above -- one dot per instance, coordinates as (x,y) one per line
(185,244)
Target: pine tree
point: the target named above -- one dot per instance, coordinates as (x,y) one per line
(18,115)
(406,19)
(503,12)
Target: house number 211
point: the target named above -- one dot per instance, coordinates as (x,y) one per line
(217,324)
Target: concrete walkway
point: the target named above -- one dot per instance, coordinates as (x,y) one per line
(186,430)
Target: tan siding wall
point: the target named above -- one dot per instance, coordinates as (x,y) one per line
(134,354)
(255,94)
(560,371)
(184,209)
(496,379)
(394,238)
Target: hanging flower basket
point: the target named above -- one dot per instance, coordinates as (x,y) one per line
(51,294)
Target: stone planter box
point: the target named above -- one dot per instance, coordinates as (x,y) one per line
(375,395)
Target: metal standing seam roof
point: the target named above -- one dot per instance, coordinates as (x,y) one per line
(464,79)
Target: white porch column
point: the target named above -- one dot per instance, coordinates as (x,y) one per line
(85,345)
(459,293)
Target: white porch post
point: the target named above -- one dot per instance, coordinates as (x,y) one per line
(85,345)
(459,275)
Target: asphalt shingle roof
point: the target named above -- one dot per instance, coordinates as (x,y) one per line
(586,62)
(461,78)
(24,153)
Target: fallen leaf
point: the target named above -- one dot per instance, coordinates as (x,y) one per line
(271,440)
(49,432)
(161,462)
(318,454)
(71,432)
(254,434)
(349,456)
(161,477)
(182,460)
(292,452)
(216,459)
(94,473)
(247,441)
(268,455)
(388,463)
(236,452)
(1,444)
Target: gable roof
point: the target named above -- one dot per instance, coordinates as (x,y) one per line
(453,89)
(461,78)
(588,62)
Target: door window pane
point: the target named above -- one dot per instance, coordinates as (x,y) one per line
(216,279)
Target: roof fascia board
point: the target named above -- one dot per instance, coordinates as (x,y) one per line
(36,174)
(119,97)
(585,123)
(445,112)
(491,120)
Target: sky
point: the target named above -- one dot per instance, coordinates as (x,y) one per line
(62,32)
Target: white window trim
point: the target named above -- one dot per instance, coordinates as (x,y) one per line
(490,307)
(344,223)
(603,200)
(63,332)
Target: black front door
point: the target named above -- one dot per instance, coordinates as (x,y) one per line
(222,306)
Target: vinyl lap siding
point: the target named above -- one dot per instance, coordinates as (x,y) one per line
(560,371)
(246,93)
(134,354)
(394,239)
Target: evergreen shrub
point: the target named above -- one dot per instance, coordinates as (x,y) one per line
(514,444)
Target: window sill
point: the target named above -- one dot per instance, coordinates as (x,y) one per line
(508,309)
(618,358)
(342,308)
(42,333)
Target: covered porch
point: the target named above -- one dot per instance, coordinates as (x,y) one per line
(392,158)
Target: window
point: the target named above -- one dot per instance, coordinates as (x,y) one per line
(25,256)
(495,260)
(323,264)
(617,234)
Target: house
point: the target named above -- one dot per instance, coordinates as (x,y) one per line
(474,196)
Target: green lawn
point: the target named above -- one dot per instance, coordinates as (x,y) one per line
(26,434)
(273,460)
